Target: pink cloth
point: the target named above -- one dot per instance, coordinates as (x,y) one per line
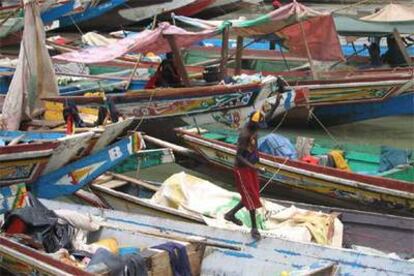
(145,41)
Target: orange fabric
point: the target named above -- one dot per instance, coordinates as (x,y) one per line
(310,159)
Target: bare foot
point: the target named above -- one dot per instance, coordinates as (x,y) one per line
(233,219)
(255,234)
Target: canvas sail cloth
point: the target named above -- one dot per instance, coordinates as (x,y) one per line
(285,23)
(143,42)
(200,197)
(34,77)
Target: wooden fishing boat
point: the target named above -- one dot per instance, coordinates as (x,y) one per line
(113,16)
(235,252)
(316,183)
(386,233)
(194,8)
(134,15)
(28,155)
(91,11)
(24,163)
(218,8)
(181,106)
(19,258)
(79,84)
(10,29)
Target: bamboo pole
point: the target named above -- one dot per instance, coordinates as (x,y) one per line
(239,55)
(224,52)
(131,76)
(312,66)
(178,61)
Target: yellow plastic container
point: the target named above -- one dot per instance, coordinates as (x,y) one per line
(111,244)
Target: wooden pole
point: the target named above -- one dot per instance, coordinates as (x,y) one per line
(224,52)
(239,55)
(313,71)
(178,61)
(133,72)
(401,46)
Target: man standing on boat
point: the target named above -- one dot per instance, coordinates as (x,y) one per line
(245,171)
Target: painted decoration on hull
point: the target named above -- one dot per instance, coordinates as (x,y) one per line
(12,197)
(284,174)
(72,177)
(190,106)
(24,171)
(320,96)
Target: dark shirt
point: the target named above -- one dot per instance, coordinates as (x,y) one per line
(247,148)
(167,74)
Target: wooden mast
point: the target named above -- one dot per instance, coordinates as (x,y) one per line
(239,54)
(224,52)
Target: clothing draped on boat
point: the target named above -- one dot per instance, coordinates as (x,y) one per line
(180,264)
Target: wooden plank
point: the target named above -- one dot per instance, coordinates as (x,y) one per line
(134,181)
(114,184)
(178,61)
(239,55)
(224,52)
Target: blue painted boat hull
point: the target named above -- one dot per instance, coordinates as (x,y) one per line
(347,113)
(74,176)
(90,13)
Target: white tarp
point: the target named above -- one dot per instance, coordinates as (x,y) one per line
(34,77)
(392,13)
(200,197)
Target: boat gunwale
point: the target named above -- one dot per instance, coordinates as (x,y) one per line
(401,188)
(36,256)
(136,200)
(162,94)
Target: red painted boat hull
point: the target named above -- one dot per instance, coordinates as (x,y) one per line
(194,8)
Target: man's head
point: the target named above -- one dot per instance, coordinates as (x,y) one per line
(255,119)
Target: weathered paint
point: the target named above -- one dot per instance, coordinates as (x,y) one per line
(74,176)
(355,188)
(266,259)
(70,147)
(23,163)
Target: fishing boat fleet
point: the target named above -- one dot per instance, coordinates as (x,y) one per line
(114,146)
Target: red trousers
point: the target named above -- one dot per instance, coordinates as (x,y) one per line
(247,183)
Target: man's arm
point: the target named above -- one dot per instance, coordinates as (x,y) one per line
(269,114)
